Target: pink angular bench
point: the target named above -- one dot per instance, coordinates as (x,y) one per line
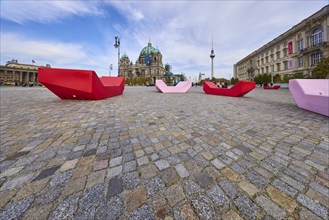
(311,94)
(181,87)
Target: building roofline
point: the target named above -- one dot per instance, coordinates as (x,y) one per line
(324,11)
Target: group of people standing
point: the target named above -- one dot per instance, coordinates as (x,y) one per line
(222,85)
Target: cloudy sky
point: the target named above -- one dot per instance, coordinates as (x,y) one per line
(80,34)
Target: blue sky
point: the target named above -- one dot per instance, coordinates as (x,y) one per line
(80,34)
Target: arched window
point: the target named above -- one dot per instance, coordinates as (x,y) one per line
(316,37)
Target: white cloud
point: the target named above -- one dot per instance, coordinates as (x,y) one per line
(182,31)
(46,11)
(58,54)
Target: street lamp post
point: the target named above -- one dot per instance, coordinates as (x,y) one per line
(117,45)
(111,67)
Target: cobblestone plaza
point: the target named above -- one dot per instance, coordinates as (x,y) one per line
(148,155)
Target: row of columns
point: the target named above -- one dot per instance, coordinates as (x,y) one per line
(20,77)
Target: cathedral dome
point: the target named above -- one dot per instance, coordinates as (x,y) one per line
(124,56)
(149,49)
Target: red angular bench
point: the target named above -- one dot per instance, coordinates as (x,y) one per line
(238,90)
(273,87)
(80,84)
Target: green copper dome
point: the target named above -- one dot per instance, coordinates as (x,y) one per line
(149,49)
(124,56)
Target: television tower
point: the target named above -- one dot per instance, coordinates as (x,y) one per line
(212,56)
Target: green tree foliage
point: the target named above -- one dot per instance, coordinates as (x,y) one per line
(277,78)
(262,78)
(321,71)
(258,79)
(234,81)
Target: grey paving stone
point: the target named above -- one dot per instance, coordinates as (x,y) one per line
(89,152)
(154,185)
(16,182)
(15,209)
(238,169)
(48,195)
(164,153)
(217,195)
(204,207)
(60,178)
(181,170)
(155,157)
(115,187)
(218,164)
(128,157)
(111,209)
(292,182)
(246,207)
(256,179)
(129,166)
(115,171)
(45,173)
(191,187)
(143,213)
(174,159)
(229,188)
(201,161)
(75,155)
(203,179)
(91,197)
(131,180)
(66,209)
(285,188)
(270,207)
(320,188)
(162,164)
(315,207)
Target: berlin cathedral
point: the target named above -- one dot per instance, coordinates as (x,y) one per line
(148,65)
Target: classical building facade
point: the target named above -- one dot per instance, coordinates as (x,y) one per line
(297,50)
(17,73)
(148,65)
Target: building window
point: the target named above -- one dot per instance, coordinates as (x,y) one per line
(257,62)
(285,52)
(272,57)
(278,47)
(316,58)
(267,69)
(278,55)
(316,37)
(272,68)
(266,58)
(300,62)
(285,65)
(262,61)
(278,67)
(262,70)
(300,43)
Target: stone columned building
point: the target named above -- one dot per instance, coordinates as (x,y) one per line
(148,65)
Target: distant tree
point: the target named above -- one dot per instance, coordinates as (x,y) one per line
(234,80)
(258,79)
(285,78)
(298,75)
(321,71)
(277,78)
(266,78)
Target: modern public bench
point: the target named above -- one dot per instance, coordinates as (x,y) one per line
(80,84)
(181,87)
(238,90)
(311,94)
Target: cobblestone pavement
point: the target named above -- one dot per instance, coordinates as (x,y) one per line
(147,155)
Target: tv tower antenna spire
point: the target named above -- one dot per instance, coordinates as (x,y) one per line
(212,56)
